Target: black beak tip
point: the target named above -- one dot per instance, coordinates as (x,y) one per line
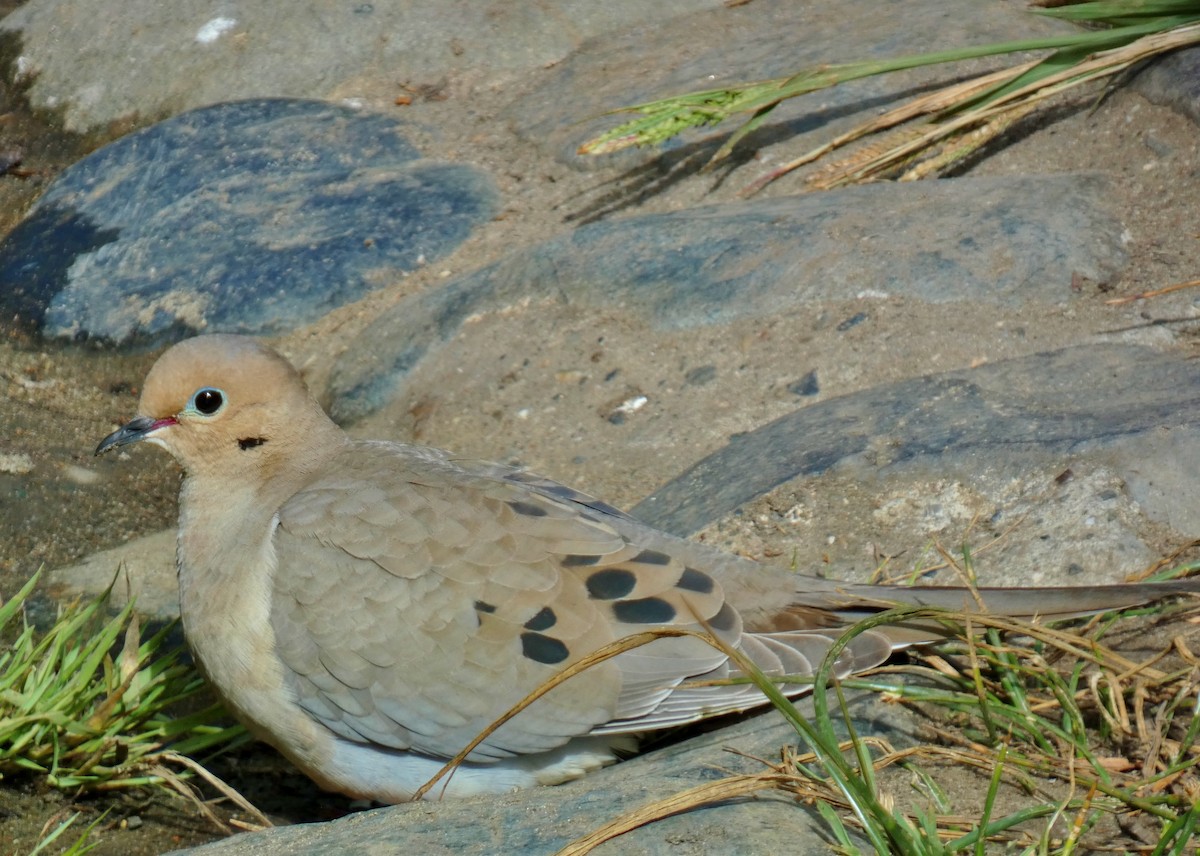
(131,432)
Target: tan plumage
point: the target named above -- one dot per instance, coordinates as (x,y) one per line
(369,608)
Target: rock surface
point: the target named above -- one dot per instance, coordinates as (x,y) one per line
(1075,404)
(309,49)
(249,217)
(542,822)
(1009,241)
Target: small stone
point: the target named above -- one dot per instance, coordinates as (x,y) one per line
(853,321)
(622,410)
(806,386)
(632,405)
(15,463)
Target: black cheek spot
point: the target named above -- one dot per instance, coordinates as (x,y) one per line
(528,509)
(575,561)
(250,442)
(611,583)
(652,557)
(544,620)
(725,620)
(693,580)
(543,649)
(484,606)
(648,610)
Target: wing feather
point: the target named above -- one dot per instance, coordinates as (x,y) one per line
(475,584)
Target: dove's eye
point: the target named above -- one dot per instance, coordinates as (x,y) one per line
(207,401)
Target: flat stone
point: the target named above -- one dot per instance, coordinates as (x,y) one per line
(1010,241)
(146,568)
(1135,408)
(186,58)
(544,820)
(1173,80)
(252,217)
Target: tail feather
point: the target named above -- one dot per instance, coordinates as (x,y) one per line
(1056,602)
(797,641)
(852,602)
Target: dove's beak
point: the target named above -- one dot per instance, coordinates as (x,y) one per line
(133,431)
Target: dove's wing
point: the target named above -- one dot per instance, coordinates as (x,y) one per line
(416,600)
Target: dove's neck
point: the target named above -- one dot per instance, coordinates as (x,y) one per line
(229,505)
(228,511)
(226,558)
(226,562)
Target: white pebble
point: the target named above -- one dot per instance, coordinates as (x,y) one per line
(80,475)
(632,405)
(15,463)
(214,29)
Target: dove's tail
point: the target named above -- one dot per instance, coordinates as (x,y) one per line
(854,602)
(1035,603)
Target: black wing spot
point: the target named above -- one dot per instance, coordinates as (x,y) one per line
(543,649)
(526,508)
(697,581)
(652,557)
(611,583)
(647,610)
(577,561)
(544,620)
(250,442)
(725,620)
(484,606)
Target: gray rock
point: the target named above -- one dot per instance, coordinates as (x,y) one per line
(544,820)
(251,217)
(1006,416)
(1173,80)
(1004,240)
(145,568)
(188,57)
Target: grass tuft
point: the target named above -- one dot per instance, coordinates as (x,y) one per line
(933,132)
(89,706)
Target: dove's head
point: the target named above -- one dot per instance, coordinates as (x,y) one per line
(226,404)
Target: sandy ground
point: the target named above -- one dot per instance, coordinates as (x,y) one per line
(58,506)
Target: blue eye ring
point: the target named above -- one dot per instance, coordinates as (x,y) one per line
(207,401)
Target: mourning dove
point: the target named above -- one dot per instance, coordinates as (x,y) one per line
(368,608)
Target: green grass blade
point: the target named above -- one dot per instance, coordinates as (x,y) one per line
(667,117)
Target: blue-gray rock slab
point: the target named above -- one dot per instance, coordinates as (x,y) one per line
(757,41)
(541,821)
(1011,241)
(148,59)
(252,217)
(1074,459)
